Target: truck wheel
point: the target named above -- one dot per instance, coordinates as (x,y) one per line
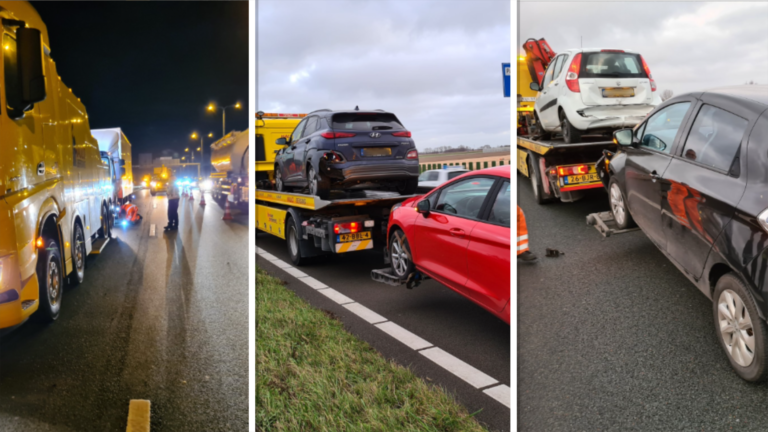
(50,281)
(78,254)
(619,206)
(400,257)
(104,229)
(293,240)
(153,193)
(740,330)
(319,186)
(408,187)
(539,195)
(571,135)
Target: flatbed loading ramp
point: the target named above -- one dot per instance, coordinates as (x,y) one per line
(347,222)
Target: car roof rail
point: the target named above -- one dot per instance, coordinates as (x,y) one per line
(320,110)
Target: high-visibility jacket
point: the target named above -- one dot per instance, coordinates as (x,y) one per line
(131,212)
(522,232)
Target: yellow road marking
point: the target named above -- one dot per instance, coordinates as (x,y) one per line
(138,416)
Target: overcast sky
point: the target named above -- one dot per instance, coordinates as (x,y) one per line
(688,46)
(435,64)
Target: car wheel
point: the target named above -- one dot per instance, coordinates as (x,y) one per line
(78,254)
(539,132)
(319,186)
(293,240)
(619,206)
(741,331)
(400,257)
(571,135)
(537,186)
(50,281)
(408,187)
(279,185)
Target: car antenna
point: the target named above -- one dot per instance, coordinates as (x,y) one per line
(356,108)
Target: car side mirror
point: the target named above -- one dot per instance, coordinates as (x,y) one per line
(623,137)
(281,141)
(29,51)
(535,86)
(423,207)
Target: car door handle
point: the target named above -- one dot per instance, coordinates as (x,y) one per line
(457,232)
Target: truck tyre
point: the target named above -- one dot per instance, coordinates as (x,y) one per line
(539,195)
(319,185)
(78,254)
(50,281)
(740,330)
(104,230)
(153,193)
(293,240)
(619,207)
(571,135)
(408,187)
(538,131)
(400,257)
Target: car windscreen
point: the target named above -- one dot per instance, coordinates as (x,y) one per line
(611,65)
(366,122)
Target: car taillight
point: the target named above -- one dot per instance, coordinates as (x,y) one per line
(572,170)
(329,135)
(572,77)
(346,228)
(412,154)
(648,72)
(406,134)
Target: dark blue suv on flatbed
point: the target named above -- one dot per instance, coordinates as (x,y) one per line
(347,150)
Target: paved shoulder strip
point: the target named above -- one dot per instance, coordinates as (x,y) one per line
(478,379)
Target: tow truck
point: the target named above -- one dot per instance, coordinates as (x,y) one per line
(556,170)
(348,221)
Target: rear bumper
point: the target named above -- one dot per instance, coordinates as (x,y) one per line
(610,117)
(375,172)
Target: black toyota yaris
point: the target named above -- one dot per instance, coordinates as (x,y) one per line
(694,177)
(346,150)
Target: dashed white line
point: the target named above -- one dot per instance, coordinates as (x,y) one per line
(335,296)
(458,367)
(411,340)
(365,313)
(152,230)
(501,393)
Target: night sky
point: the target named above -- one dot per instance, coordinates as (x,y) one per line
(152,68)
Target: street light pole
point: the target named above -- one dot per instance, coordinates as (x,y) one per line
(212,108)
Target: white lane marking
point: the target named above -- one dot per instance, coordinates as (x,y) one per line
(407,338)
(138,416)
(269,257)
(312,282)
(260,250)
(152,230)
(365,313)
(280,263)
(501,393)
(335,296)
(458,367)
(296,272)
(154,204)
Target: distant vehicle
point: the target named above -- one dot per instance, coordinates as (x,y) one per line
(159,183)
(229,157)
(55,190)
(593,91)
(459,235)
(114,142)
(434,178)
(347,150)
(693,178)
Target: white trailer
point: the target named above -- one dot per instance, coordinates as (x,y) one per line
(229,157)
(114,142)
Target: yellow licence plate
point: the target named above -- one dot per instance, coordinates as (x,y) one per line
(343,238)
(618,92)
(586,178)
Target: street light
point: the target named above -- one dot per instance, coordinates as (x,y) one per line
(201,148)
(212,108)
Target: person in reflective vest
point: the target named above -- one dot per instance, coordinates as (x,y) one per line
(130,213)
(523,253)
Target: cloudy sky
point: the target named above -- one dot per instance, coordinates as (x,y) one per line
(689,46)
(435,64)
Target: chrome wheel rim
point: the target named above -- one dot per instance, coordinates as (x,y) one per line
(279,180)
(79,250)
(54,284)
(293,242)
(736,328)
(617,204)
(312,182)
(399,258)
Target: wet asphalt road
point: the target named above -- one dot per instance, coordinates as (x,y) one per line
(163,318)
(611,336)
(431,311)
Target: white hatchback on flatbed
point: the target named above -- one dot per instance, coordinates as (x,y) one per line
(593,91)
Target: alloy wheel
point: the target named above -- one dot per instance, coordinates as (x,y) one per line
(736,328)
(54,283)
(617,204)
(399,259)
(79,249)
(279,180)
(312,182)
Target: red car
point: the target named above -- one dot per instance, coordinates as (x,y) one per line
(459,235)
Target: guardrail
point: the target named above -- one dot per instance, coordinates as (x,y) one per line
(468,165)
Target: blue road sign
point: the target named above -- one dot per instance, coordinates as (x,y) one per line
(506,72)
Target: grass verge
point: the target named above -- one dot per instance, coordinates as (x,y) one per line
(312,375)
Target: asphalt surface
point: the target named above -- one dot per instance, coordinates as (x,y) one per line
(611,336)
(431,311)
(161,317)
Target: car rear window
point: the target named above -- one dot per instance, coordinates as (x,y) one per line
(611,65)
(366,122)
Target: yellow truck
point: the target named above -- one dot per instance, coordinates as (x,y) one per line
(269,128)
(54,185)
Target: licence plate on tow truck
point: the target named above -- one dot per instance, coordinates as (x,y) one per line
(586,178)
(344,238)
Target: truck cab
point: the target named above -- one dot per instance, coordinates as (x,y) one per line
(270,127)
